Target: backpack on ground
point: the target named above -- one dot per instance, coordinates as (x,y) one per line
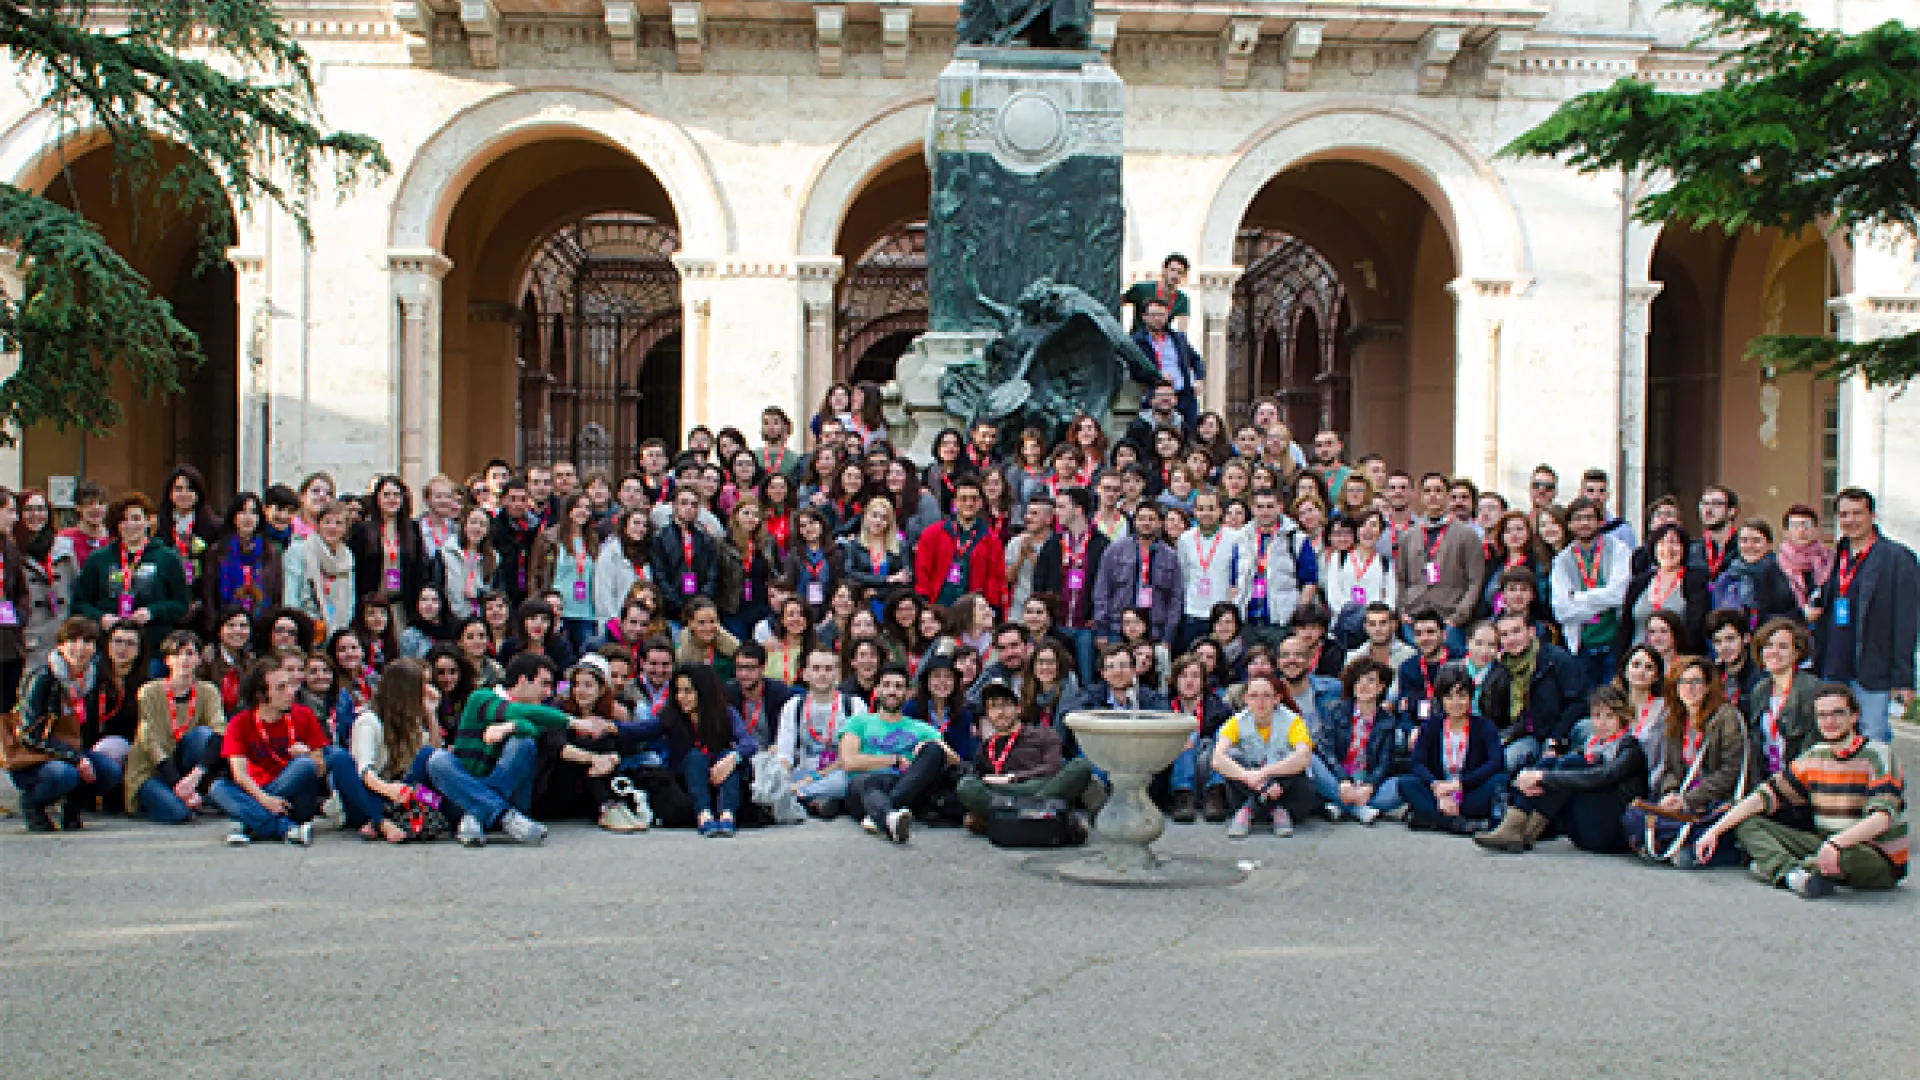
(1031,821)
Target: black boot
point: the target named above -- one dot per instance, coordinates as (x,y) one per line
(1183,806)
(70,816)
(1213,806)
(37,819)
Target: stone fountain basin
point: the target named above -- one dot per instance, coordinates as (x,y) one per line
(1131,741)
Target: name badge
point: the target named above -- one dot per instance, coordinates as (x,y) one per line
(1076,580)
(1433,573)
(816,593)
(1425,709)
(1360,596)
(746,591)
(393,580)
(579,591)
(188,568)
(689,584)
(1259,591)
(954,573)
(1143,597)
(8,616)
(1203,588)
(126,604)
(1842,612)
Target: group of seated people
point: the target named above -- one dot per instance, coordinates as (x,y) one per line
(899,645)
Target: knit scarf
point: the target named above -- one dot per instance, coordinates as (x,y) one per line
(1816,558)
(1520,667)
(236,586)
(324,565)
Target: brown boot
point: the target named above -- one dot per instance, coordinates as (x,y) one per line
(976,823)
(1536,828)
(1511,836)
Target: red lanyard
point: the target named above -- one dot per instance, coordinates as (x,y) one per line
(1260,560)
(1076,555)
(999,761)
(1146,568)
(173,712)
(1362,734)
(877,558)
(1596,746)
(774,460)
(1206,561)
(1849,567)
(183,541)
(1660,595)
(1199,712)
(1360,575)
(1690,745)
(390,545)
(1432,543)
(580,559)
(754,712)
(1716,555)
(1456,751)
(833,722)
(1589,566)
(686,547)
(126,570)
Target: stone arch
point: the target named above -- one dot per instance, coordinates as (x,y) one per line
(450,158)
(879,142)
(1456,180)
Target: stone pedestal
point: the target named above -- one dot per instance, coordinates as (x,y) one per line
(1025,152)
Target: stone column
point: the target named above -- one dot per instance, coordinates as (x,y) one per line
(1631,485)
(1215,286)
(253,304)
(417,273)
(1877,427)
(818,279)
(1476,379)
(697,277)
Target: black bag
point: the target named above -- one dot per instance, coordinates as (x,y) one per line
(1031,821)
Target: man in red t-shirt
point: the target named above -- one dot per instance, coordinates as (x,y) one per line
(275,747)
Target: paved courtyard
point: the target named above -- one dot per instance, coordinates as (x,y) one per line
(815,951)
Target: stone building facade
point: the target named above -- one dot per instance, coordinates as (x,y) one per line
(612,219)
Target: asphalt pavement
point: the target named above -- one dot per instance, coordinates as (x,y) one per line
(132,950)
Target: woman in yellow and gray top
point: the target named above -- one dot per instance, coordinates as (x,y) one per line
(176,752)
(1263,753)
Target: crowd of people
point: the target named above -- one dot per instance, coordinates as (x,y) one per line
(740,636)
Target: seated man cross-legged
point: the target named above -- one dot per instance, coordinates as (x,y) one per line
(894,761)
(488,772)
(274,750)
(1017,758)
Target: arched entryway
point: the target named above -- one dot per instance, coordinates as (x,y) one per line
(598,353)
(881,302)
(561,315)
(1342,311)
(199,425)
(1713,415)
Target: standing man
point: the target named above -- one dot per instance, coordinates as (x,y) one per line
(1174,355)
(515,528)
(1023,551)
(1066,569)
(983,446)
(566,482)
(775,429)
(1278,571)
(1173,270)
(1543,487)
(960,554)
(1328,448)
(1397,494)
(1590,577)
(1594,485)
(1463,502)
(1719,507)
(1866,632)
(1141,572)
(1162,411)
(1440,566)
(540,493)
(1209,562)
(682,558)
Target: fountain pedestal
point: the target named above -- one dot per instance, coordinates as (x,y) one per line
(1130,747)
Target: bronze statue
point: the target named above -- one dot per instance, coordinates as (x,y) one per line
(1040,24)
(1060,353)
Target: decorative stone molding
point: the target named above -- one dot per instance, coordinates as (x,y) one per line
(1497,55)
(481,20)
(829,33)
(1435,55)
(415,20)
(896,38)
(1239,40)
(623,33)
(1106,27)
(419,261)
(819,270)
(696,267)
(1298,47)
(689,33)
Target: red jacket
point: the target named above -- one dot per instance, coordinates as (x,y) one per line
(986,566)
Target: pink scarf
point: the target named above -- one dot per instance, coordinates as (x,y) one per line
(1816,558)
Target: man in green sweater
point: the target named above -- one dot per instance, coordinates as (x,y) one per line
(488,771)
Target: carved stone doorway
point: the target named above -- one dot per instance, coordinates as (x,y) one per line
(1286,335)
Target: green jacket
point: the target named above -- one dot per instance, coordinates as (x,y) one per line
(159,586)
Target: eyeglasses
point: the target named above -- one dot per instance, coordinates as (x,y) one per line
(1691,680)
(1544,485)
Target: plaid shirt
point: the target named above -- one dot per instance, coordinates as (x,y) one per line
(1842,783)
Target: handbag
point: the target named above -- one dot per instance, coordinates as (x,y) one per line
(1031,821)
(1666,831)
(420,814)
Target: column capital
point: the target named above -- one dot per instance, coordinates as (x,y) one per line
(421,261)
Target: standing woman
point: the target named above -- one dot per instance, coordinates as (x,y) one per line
(135,579)
(809,564)
(1804,557)
(948,465)
(564,560)
(15,600)
(816,486)
(836,404)
(1513,544)
(319,571)
(316,494)
(187,524)
(621,565)
(913,505)
(1668,585)
(388,556)
(283,628)
(869,425)
(776,510)
(709,746)
(51,567)
(243,567)
(759,567)
(468,562)
(873,557)
(1086,436)
(1706,765)
(1027,473)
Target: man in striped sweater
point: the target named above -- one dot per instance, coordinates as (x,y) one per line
(1857,796)
(488,772)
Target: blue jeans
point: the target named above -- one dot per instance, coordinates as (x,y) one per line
(487,798)
(299,783)
(1522,753)
(1385,797)
(581,634)
(42,785)
(1476,802)
(1598,663)
(1083,651)
(831,785)
(1192,770)
(157,801)
(1191,630)
(1874,708)
(359,805)
(709,798)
